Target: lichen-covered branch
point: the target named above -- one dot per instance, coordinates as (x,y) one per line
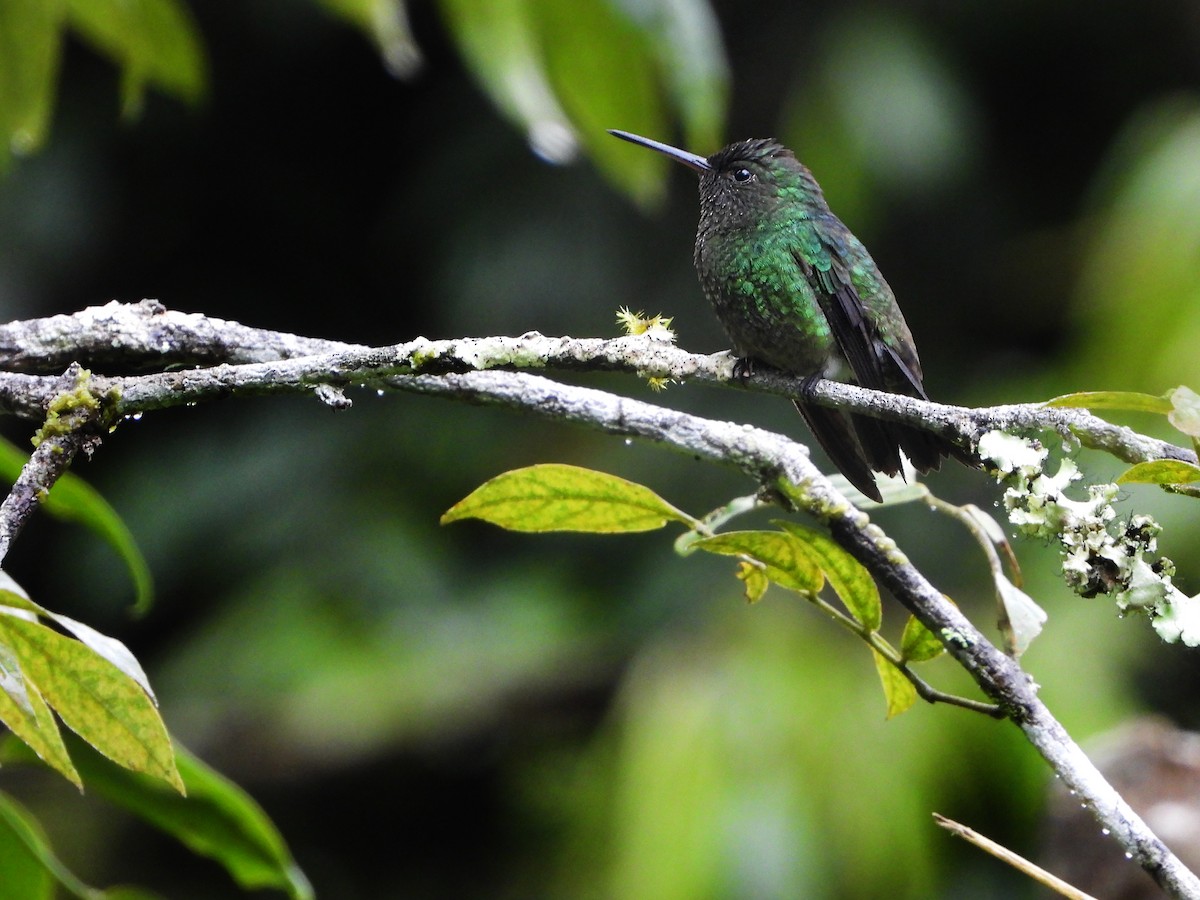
(242,360)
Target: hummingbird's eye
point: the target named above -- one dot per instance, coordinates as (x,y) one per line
(741,176)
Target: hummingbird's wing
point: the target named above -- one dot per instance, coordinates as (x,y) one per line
(874,362)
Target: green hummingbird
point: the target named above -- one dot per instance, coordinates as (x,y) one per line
(796,291)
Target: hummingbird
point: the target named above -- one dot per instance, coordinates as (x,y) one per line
(795,290)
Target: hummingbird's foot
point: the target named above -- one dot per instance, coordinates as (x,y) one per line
(807,385)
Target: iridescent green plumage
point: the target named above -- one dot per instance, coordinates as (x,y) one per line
(795,290)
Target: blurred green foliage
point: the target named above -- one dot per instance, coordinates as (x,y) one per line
(434,712)
(153,42)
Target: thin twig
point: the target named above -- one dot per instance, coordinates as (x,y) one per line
(1018,862)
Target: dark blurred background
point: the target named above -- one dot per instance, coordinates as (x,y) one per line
(434,712)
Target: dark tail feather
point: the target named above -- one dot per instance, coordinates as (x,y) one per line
(833,432)
(860,445)
(881,441)
(926,450)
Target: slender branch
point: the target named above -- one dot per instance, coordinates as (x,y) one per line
(455,370)
(145,333)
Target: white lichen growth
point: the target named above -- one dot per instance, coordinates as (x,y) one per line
(1100,555)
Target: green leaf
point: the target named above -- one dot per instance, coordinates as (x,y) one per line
(73,499)
(898,691)
(853,584)
(603,72)
(30,48)
(1185,411)
(498,42)
(30,867)
(1131,401)
(385,22)
(155,42)
(685,36)
(23,855)
(92,696)
(216,819)
(788,562)
(1160,471)
(918,643)
(554,497)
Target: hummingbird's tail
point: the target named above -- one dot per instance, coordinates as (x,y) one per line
(860,446)
(881,442)
(837,438)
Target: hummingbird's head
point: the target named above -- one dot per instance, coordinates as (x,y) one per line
(744,181)
(749,179)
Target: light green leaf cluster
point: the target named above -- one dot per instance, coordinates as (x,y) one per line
(101,693)
(568,498)
(153,42)
(1181,406)
(92,681)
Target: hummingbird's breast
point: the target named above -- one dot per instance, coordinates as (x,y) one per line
(762,298)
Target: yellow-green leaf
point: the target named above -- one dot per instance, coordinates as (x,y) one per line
(25,713)
(1161,471)
(788,561)
(755,580)
(13,595)
(1131,401)
(554,497)
(898,691)
(853,584)
(918,643)
(94,698)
